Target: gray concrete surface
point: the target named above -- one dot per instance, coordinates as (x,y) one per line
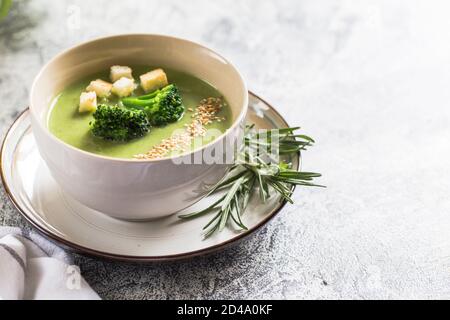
(368,79)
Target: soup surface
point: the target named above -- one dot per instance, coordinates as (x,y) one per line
(72,127)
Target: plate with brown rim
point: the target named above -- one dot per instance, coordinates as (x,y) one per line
(76,227)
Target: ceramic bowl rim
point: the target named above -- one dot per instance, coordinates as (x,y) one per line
(94,156)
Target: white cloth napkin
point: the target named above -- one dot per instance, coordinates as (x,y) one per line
(32,267)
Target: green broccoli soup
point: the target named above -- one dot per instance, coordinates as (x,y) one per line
(139,112)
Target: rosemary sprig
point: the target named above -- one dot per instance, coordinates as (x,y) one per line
(5,5)
(257,168)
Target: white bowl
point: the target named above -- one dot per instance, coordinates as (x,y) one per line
(127,188)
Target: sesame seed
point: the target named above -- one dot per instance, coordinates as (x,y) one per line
(205,114)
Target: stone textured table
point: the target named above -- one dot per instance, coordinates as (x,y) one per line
(369,80)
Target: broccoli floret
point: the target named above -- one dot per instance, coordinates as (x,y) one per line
(161,106)
(119,124)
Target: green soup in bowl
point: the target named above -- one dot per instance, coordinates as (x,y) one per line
(74,128)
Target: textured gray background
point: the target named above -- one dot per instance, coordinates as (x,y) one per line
(369,80)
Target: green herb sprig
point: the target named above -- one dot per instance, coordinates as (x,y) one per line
(256,169)
(5,5)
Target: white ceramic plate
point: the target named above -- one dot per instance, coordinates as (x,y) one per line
(39,199)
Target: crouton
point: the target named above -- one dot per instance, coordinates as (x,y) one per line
(153,80)
(100,87)
(88,102)
(123,87)
(118,72)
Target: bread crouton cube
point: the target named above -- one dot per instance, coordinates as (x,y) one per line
(118,72)
(88,102)
(154,80)
(123,87)
(100,87)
